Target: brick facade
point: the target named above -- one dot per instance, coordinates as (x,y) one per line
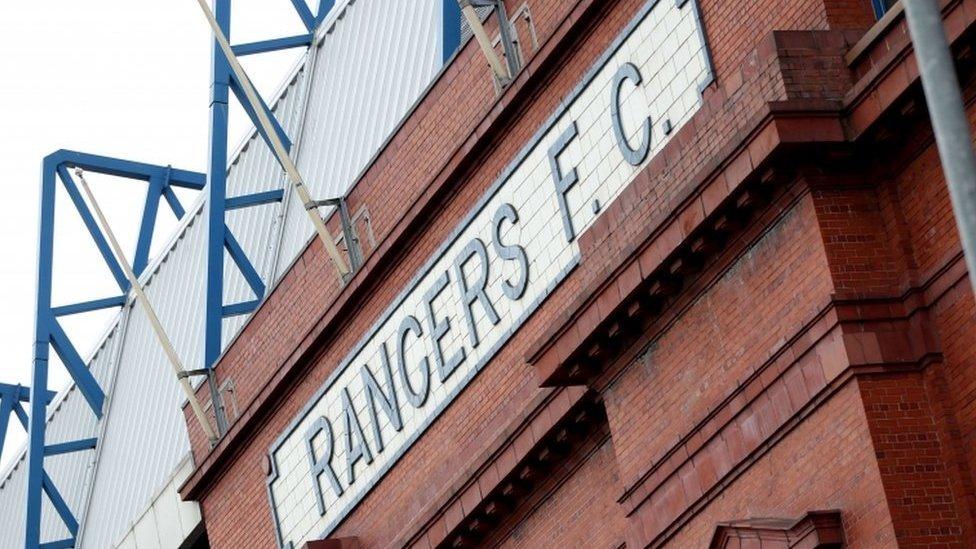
(773,321)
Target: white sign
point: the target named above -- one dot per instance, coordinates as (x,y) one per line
(508,254)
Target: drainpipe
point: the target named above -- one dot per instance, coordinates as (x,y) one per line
(949,120)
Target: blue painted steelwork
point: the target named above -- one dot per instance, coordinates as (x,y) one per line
(216,206)
(881,7)
(238,309)
(451,31)
(325,6)
(219,239)
(88,306)
(11,399)
(255,199)
(265,46)
(48,332)
(304,13)
(73,446)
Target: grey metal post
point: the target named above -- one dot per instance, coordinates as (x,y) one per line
(949,120)
(350,236)
(505,33)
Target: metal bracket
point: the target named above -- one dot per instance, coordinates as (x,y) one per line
(193,373)
(503,75)
(505,33)
(349,234)
(228,393)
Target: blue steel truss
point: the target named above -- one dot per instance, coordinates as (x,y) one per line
(48,332)
(161,182)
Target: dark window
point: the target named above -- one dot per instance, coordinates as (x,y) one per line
(882,6)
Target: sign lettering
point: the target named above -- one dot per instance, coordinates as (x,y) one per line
(503,259)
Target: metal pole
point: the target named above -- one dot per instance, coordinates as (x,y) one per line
(949,120)
(505,34)
(102,428)
(350,236)
(278,233)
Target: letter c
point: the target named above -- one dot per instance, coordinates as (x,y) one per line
(633,156)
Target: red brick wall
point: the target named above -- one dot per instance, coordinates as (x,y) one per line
(570,512)
(827,462)
(861,249)
(932,249)
(924,203)
(777,287)
(822,447)
(496,395)
(461,97)
(909,447)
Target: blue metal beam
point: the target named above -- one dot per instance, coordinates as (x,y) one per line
(87,306)
(38,404)
(305,14)
(451,31)
(149,212)
(277,44)
(60,544)
(21,415)
(325,6)
(21,393)
(96,233)
(11,397)
(216,205)
(72,446)
(7,403)
(244,264)
(60,505)
(174,202)
(243,308)
(880,8)
(73,362)
(255,199)
(238,90)
(126,168)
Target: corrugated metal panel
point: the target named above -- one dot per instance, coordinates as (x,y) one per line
(371,65)
(360,91)
(144,437)
(168,521)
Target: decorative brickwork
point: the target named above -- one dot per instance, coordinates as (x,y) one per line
(816,530)
(772,317)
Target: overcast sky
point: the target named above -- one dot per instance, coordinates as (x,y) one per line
(122,78)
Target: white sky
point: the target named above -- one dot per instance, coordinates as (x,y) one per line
(122,78)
